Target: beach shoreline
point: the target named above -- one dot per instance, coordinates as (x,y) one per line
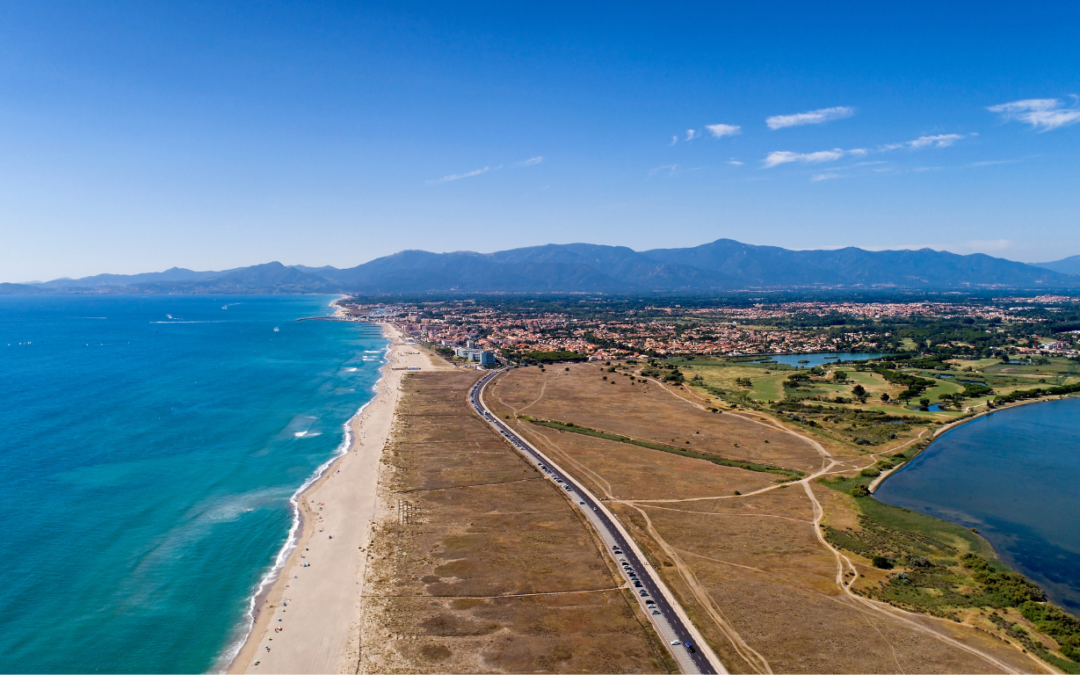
(304,614)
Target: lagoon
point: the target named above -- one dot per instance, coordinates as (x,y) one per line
(821,358)
(1013,476)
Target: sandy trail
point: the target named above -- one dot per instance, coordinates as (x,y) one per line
(314,605)
(830,464)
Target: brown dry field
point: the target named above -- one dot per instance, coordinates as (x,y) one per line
(750,570)
(482,565)
(646,411)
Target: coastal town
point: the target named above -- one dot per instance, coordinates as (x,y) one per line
(474,327)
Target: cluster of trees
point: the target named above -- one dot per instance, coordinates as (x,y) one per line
(1022,394)
(668,372)
(552,357)
(915,385)
(1011,589)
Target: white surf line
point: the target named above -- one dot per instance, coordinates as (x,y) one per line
(271,575)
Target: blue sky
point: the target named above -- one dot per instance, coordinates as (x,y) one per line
(138,136)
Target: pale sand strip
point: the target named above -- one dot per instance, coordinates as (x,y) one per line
(324,600)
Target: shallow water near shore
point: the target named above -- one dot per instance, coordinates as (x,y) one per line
(150,447)
(1013,475)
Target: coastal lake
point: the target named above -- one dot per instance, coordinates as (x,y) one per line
(1015,476)
(821,358)
(151,446)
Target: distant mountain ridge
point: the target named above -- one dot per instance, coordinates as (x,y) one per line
(1070,265)
(722,265)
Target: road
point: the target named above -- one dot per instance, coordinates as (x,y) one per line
(671,622)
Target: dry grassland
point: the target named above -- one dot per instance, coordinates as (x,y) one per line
(648,412)
(481,565)
(749,569)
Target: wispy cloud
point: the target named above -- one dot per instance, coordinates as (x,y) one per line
(721,130)
(993,162)
(532,161)
(670,168)
(939,141)
(674,140)
(817,178)
(457,176)
(735,162)
(1043,114)
(691,134)
(784,157)
(812,117)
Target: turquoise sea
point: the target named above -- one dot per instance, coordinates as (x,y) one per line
(150,447)
(1013,475)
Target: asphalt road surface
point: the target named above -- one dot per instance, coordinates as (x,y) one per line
(671,623)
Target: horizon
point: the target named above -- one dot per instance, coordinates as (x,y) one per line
(310,266)
(146,137)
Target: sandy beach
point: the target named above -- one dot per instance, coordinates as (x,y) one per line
(304,622)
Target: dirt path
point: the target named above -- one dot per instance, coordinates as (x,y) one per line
(844,565)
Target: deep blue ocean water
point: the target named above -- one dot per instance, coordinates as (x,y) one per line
(149,446)
(1015,476)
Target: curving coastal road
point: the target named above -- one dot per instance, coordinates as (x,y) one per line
(667,616)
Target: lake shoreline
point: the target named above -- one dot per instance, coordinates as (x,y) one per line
(1007,481)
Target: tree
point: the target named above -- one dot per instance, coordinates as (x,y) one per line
(924,402)
(884,397)
(858,391)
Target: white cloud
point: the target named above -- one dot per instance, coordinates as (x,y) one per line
(939,141)
(532,161)
(721,130)
(994,162)
(784,157)
(670,168)
(674,140)
(691,134)
(1043,114)
(457,176)
(817,178)
(812,117)
(735,162)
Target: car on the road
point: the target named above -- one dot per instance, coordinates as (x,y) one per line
(689,647)
(643,593)
(581,503)
(650,602)
(676,642)
(637,584)
(655,612)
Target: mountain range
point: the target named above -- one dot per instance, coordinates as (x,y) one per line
(723,265)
